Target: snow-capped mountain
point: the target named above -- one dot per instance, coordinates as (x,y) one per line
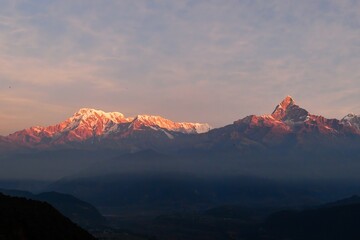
(291,118)
(300,120)
(158,122)
(287,124)
(352,120)
(95,125)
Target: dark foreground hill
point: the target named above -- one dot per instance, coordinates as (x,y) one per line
(78,211)
(328,222)
(22,218)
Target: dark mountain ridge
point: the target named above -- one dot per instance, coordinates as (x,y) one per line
(76,210)
(22,218)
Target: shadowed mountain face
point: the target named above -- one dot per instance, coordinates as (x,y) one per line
(21,218)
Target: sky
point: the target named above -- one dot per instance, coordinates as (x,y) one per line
(211,61)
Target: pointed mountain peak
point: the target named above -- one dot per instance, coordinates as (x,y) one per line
(288,101)
(280,110)
(287,110)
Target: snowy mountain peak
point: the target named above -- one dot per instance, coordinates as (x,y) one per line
(148,118)
(281,109)
(85,113)
(202,127)
(352,120)
(91,125)
(160,122)
(350,116)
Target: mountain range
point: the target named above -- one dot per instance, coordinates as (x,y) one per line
(289,126)
(90,128)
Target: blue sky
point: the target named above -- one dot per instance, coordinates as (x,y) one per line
(204,61)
